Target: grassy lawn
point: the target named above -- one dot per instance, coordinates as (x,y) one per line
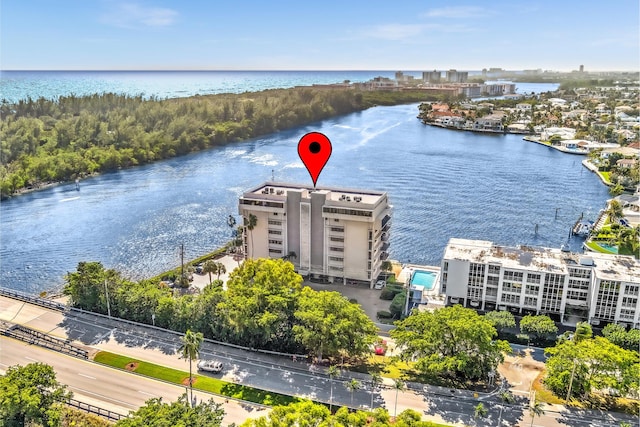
(598,248)
(542,393)
(201,382)
(605,175)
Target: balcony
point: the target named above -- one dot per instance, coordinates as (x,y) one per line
(384,256)
(386,222)
(385,237)
(385,246)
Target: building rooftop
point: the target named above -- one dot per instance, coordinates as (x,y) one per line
(613,267)
(278,190)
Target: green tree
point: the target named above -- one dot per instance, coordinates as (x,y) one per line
(261,299)
(452,342)
(538,326)
(250,223)
(479,411)
(579,368)
(220,269)
(305,413)
(155,413)
(210,267)
(352,385)
(31,394)
(190,349)
(619,336)
(614,211)
(536,410)
(501,319)
(328,323)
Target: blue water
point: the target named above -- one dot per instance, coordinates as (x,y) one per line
(442,184)
(423,278)
(18,85)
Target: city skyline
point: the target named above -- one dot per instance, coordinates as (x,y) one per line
(196,35)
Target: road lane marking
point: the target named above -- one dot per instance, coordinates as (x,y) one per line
(148,394)
(29,358)
(87,376)
(108,398)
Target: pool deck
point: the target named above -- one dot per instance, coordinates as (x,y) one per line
(407,269)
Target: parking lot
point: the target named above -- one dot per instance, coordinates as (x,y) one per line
(369,299)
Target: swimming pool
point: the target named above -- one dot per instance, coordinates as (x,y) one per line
(424,278)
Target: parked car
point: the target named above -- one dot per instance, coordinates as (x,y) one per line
(210,366)
(380,284)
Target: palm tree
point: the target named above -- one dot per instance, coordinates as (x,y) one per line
(210,266)
(220,269)
(398,385)
(352,386)
(614,212)
(376,380)
(536,410)
(333,372)
(583,331)
(190,349)
(479,411)
(250,223)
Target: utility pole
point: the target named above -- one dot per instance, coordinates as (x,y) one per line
(182,264)
(106,293)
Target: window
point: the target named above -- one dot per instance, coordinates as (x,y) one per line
(510,299)
(337,229)
(533,278)
(336,249)
(274,222)
(335,258)
(261,203)
(474,293)
(336,239)
(580,273)
(333,267)
(342,211)
(532,290)
(530,302)
(632,290)
(606,300)
(494,269)
(275,242)
(552,292)
(276,232)
(275,251)
(514,276)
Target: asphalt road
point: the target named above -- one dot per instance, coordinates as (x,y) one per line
(109,388)
(268,372)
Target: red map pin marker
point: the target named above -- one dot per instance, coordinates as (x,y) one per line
(314,150)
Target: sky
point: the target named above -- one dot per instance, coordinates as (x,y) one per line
(319,35)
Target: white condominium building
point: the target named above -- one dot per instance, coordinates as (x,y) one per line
(329,233)
(568,287)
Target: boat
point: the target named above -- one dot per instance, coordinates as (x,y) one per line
(582,228)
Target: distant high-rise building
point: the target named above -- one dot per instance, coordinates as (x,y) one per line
(582,68)
(431,76)
(454,76)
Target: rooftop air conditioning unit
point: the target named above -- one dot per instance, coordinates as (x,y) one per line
(588,261)
(348,198)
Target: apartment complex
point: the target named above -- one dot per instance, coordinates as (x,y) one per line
(570,288)
(328,233)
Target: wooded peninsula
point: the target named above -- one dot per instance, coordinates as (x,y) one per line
(48,141)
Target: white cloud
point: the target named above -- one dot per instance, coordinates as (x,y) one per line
(394,31)
(133,15)
(456,12)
